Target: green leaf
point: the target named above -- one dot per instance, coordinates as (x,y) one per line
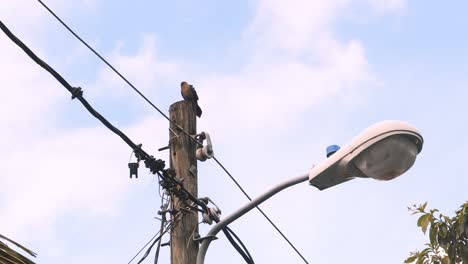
(425,251)
(423,206)
(424,221)
(465,253)
(433,231)
(443,231)
(411,259)
(420,260)
(461,217)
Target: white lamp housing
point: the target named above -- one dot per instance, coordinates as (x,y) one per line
(383,151)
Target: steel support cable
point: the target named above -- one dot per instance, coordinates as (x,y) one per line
(164,115)
(261,211)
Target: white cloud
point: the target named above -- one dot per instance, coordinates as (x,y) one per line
(388,6)
(296,62)
(84,170)
(292,25)
(46,170)
(144,68)
(28,94)
(30,15)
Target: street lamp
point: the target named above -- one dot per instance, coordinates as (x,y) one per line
(383,151)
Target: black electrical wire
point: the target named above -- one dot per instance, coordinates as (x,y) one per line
(141,249)
(163,220)
(76,92)
(242,251)
(154,242)
(154,165)
(184,191)
(240,242)
(165,116)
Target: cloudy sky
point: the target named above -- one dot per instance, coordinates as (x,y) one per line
(278,82)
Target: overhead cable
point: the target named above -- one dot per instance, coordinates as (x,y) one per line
(155,166)
(114,70)
(165,116)
(242,251)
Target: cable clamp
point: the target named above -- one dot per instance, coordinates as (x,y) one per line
(76,92)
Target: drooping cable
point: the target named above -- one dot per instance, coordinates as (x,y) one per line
(161,230)
(165,116)
(154,242)
(163,220)
(240,242)
(144,246)
(242,251)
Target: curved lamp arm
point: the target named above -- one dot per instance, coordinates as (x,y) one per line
(243,210)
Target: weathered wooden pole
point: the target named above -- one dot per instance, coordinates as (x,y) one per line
(182,159)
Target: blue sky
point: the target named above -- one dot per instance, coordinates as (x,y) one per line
(278,82)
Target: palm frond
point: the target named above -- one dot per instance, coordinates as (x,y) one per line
(10,256)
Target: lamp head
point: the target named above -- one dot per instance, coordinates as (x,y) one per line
(383,151)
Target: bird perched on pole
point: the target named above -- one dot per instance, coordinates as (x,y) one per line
(189,94)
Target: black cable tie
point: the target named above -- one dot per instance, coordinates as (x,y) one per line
(138,152)
(166,244)
(76,92)
(155,165)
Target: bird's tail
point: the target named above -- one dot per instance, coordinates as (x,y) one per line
(198,111)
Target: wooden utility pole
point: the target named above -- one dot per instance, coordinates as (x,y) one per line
(182,159)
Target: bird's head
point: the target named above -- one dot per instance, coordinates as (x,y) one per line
(183,84)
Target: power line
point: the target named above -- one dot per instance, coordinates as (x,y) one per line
(165,116)
(260,210)
(76,92)
(114,69)
(155,166)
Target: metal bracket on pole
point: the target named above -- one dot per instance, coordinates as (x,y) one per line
(201,239)
(193,170)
